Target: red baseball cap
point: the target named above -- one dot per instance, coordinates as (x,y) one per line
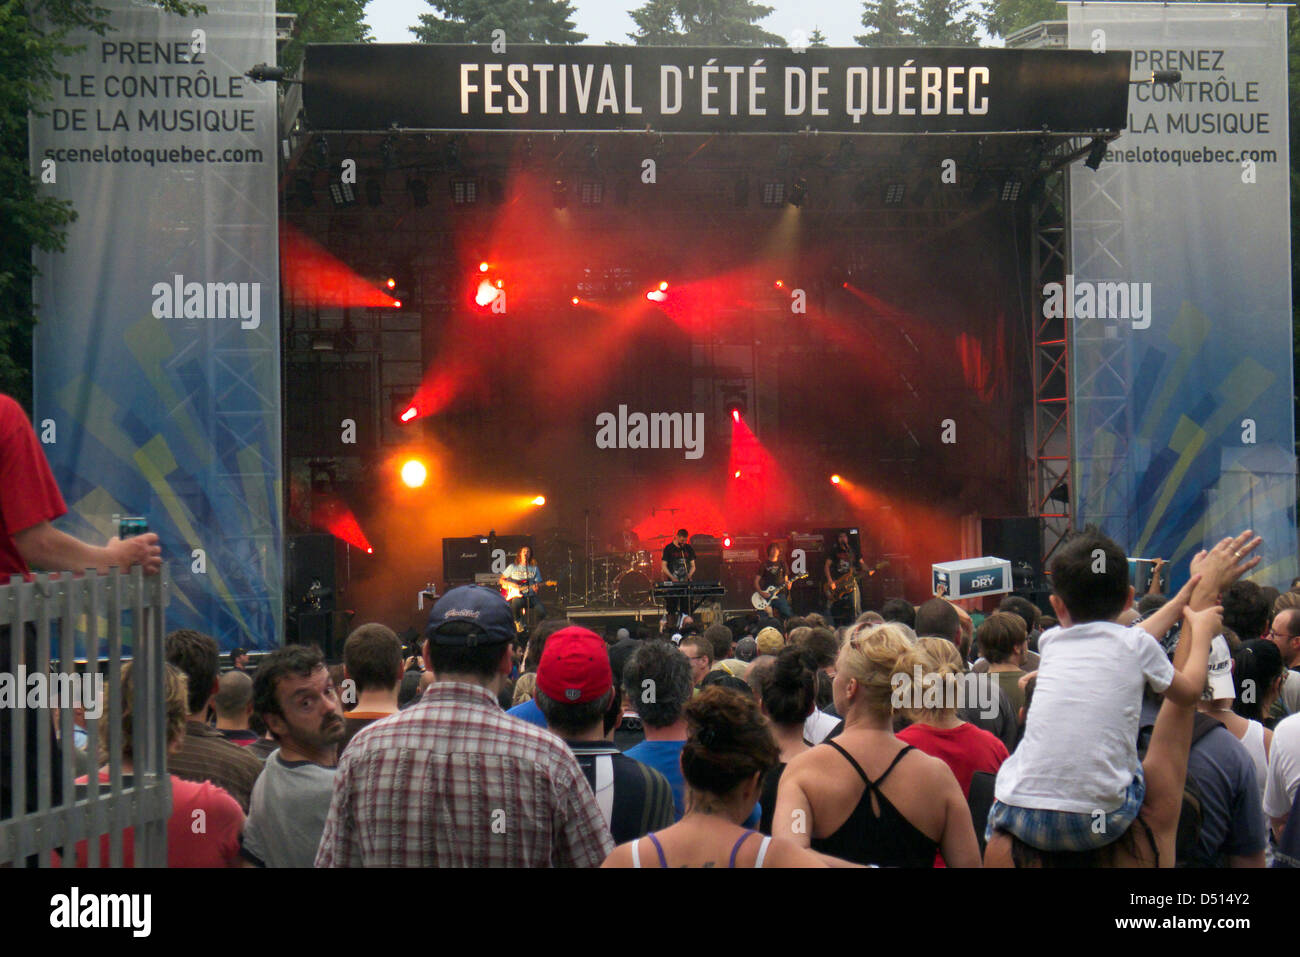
(575,666)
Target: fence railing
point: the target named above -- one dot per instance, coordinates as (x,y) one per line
(63,641)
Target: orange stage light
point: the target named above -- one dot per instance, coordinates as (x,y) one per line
(540,500)
(414,473)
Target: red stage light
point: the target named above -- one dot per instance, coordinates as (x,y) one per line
(370,551)
(410,413)
(726,542)
(663,287)
(483,267)
(501,284)
(780,284)
(397,304)
(737,474)
(486,294)
(575,300)
(735,415)
(392,283)
(835,480)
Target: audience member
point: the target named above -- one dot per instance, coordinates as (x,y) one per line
(723,762)
(575,690)
(769,641)
(1004,644)
(866,796)
(1245,610)
(939,618)
(1285,633)
(699,652)
(217,843)
(784,689)
(372,671)
(233,704)
(657,681)
(296,697)
(452,781)
(204,755)
(899,610)
(527,709)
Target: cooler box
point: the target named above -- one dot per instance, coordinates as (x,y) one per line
(972,577)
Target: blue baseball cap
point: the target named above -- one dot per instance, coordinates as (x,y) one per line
(476,605)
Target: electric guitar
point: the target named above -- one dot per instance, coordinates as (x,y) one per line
(513,589)
(847,582)
(763,599)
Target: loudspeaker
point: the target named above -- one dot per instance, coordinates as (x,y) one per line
(310,558)
(1017,540)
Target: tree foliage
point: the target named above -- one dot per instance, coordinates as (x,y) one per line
(524,21)
(718,23)
(889,23)
(322,21)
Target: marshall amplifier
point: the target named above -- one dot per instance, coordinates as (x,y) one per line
(465,558)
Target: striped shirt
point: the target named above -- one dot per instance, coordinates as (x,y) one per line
(453,781)
(205,755)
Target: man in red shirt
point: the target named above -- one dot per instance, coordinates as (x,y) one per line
(29,501)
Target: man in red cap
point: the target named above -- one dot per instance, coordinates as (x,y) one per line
(576,694)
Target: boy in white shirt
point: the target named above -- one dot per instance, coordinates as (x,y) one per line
(1075,783)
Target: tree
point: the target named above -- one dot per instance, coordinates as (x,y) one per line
(32,39)
(703,23)
(889,23)
(945,23)
(1004,17)
(524,21)
(817,38)
(322,21)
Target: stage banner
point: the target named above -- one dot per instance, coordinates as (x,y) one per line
(1179,292)
(157,357)
(373,86)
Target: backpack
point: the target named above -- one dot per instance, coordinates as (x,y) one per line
(1191,817)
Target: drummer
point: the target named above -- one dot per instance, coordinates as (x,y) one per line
(625,541)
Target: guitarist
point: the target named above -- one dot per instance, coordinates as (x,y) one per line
(843,559)
(772,580)
(519,583)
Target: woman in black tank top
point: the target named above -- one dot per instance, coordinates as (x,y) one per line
(876,831)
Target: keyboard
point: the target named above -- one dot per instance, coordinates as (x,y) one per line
(698,591)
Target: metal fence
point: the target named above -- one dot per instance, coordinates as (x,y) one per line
(61,632)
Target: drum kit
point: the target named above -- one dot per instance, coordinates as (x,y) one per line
(613,580)
(622,579)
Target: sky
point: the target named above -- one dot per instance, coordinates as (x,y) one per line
(607,20)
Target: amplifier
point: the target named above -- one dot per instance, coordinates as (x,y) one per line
(487,579)
(809,543)
(744,556)
(465,558)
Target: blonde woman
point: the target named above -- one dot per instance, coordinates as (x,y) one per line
(938,731)
(866,796)
(525,689)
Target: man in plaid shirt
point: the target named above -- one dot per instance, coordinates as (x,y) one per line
(453,781)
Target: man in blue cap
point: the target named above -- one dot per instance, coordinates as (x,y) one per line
(453,781)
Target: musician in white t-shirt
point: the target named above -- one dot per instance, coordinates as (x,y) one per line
(520,583)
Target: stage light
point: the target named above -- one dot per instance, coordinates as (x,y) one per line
(737,472)
(414,473)
(487,293)
(773,194)
(799,192)
(370,551)
(835,480)
(735,417)
(726,541)
(559,194)
(501,284)
(397,304)
(1011,189)
(663,287)
(574,300)
(894,193)
(1096,154)
(780,284)
(410,413)
(592,193)
(484,267)
(656,295)
(539,501)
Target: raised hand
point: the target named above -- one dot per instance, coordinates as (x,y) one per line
(1223,565)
